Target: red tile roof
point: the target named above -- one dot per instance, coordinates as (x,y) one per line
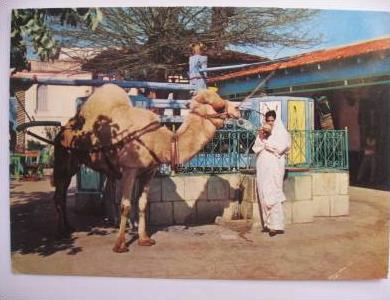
(312,58)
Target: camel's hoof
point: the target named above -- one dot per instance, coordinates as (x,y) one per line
(120,249)
(148,242)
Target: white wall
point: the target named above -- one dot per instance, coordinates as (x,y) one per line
(61,103)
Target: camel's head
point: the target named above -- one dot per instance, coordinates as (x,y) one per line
(214,107)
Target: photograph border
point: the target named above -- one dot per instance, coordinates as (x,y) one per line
(15,286)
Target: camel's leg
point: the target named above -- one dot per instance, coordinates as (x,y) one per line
(144,239)
(68,227)
(128,179)
(66,164)
(60,202)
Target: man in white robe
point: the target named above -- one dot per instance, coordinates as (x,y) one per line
(271,149)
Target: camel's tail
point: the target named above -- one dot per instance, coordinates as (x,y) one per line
(58,151)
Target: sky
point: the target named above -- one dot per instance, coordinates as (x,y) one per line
(339,27)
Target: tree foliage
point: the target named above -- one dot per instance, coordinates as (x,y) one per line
(153,42)
(35,27)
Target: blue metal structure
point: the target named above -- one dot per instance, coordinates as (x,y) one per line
(145,102)
(99,82)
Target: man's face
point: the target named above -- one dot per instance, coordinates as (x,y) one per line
(270,121)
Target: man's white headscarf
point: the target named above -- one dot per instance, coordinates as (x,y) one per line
(280,140)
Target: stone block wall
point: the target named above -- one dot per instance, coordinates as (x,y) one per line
(194,199)
(330,194)
(88,203)
(200,199)
(298,206)
(310,195)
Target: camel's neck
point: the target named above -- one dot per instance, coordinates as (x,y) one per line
(192,136)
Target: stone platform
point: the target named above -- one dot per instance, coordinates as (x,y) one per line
(200,199)
(313,194)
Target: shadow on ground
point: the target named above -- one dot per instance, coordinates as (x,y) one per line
(34,225)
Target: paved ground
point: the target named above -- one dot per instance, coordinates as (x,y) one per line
(351,247)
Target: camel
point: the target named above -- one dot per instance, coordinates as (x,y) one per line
(124,142)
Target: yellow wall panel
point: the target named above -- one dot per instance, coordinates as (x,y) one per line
(296,121)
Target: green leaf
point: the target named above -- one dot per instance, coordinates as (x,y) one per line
(45,39)
(31,23)
(99,15)
(35,28)
(15,33)
(86,16)
(95,24)
(15,13)
(51,44)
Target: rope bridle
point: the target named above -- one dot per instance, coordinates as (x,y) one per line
(174,152)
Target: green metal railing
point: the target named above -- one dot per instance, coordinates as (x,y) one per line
(319,149)
(231,151)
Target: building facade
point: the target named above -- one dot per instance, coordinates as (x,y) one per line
(355,79)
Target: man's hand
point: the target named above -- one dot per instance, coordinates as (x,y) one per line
(262,134)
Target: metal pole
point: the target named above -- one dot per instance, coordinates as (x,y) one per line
(99,82)
(346,148)
(226,68)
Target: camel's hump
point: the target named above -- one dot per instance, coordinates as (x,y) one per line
(109,112)
(104,101)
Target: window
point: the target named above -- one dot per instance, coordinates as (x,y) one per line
(42,98)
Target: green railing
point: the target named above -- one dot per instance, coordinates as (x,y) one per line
(318,149)
(231,151)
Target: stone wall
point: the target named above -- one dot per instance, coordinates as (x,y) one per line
(201,199)
(194,199)
(313,194)
(330,194)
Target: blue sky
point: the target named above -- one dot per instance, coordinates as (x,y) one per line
(340,27)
